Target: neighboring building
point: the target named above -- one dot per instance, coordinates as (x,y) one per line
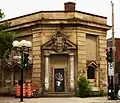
(117,58)
(65,45)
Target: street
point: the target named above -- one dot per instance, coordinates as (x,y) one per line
(59,100)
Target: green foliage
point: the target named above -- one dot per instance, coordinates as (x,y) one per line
(97,93)
(84,87)
(4,25)
(101,92)
(94,94)
(1,14)
(6,37)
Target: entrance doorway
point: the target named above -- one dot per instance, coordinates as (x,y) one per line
(59,80)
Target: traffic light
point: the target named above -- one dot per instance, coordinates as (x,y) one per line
(109,55)
(26,59)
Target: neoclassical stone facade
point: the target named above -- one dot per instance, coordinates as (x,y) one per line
(65,45)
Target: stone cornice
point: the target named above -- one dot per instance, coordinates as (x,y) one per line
(58,17)
(68,22)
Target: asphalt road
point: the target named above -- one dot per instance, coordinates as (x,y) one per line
(58,100)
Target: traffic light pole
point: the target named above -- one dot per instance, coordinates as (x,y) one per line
(113,46)
(21,89)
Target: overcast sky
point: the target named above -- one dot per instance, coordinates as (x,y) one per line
(15,8)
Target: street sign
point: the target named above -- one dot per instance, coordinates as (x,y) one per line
(111,68)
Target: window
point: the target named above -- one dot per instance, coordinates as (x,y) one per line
(91,73)
(91,47)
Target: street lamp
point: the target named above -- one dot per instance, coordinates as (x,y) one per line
(22,47)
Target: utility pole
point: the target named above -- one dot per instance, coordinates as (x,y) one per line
(113,39)
(111,63)
(113,46)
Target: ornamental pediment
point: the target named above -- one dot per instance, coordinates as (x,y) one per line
(59,43)
(92,63)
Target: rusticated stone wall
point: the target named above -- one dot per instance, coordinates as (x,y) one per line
(36,70)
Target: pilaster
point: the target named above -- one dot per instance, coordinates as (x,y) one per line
(103,63)
(36,72)
(81,42)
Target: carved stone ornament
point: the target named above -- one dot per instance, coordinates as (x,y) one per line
(58,42)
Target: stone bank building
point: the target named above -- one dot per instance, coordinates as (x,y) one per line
(65,45)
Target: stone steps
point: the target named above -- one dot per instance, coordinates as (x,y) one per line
(60,94)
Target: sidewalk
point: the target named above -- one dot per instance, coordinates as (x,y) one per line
(58,100)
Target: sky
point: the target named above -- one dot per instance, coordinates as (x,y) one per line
(15,8)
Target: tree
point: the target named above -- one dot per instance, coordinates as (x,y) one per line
(6,37)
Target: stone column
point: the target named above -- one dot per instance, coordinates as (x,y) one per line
(46,72)
(72,72)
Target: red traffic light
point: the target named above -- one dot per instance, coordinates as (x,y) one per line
(107,50)
(109,57)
